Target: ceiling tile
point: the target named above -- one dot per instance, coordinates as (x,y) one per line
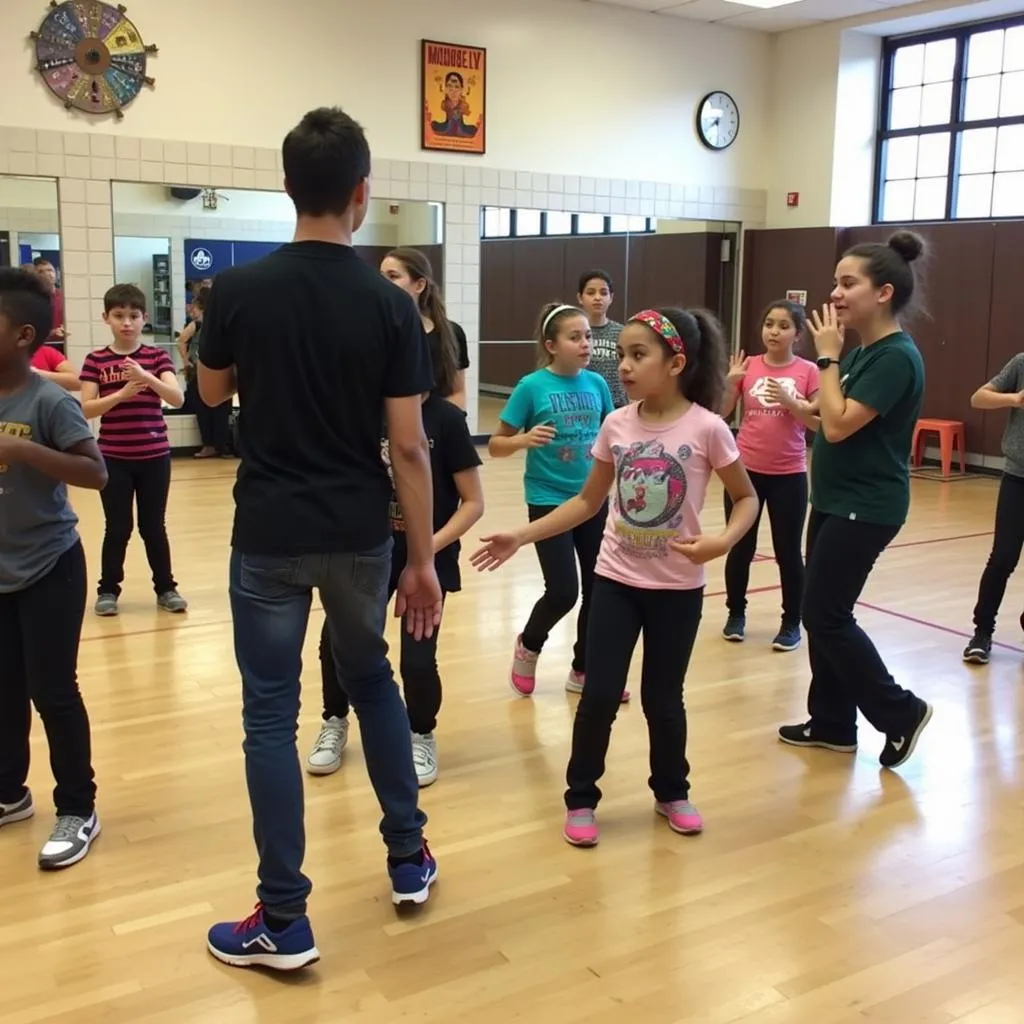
(826,10)
(704,10)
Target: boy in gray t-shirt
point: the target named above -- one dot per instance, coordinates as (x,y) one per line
(596,294)
(45,444)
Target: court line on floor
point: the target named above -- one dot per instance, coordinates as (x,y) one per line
(934,625)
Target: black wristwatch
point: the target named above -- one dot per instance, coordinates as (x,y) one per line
(824,362)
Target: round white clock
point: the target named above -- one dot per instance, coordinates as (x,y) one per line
(718,120)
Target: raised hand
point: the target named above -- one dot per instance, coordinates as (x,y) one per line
(827,331)
(737,368)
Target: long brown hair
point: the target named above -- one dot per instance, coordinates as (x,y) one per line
(431,305)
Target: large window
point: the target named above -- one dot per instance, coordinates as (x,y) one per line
(499,222)
(951,137)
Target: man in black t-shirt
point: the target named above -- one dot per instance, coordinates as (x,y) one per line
(321,350)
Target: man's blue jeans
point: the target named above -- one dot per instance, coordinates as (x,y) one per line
(270,602)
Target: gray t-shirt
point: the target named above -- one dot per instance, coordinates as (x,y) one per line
(604,359)
(37,523)
(1011,378)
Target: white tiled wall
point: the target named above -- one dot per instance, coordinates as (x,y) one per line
(86,164)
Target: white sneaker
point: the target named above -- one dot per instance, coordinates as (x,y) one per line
(325,757)
(424,758)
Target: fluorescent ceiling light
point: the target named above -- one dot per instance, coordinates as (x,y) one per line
(762,5)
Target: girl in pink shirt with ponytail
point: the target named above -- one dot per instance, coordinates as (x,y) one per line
(778,389)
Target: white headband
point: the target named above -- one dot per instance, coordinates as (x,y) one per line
(552,315)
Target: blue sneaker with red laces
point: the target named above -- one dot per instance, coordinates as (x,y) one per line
(250,943)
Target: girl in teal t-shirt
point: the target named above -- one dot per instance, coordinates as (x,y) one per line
(554,414)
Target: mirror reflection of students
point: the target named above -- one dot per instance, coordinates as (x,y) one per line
(48,274)
(51,364)
(214,421)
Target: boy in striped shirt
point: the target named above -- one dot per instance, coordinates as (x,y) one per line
(125,385)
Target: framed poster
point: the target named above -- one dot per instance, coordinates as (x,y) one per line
(454,97)
(797,295)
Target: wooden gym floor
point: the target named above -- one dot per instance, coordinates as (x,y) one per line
(824,891)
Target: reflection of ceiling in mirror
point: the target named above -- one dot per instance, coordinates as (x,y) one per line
(28,193)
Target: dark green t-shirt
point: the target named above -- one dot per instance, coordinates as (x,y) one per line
(866,476)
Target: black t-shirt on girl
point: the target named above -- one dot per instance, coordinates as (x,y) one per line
(461,346)
(451,451)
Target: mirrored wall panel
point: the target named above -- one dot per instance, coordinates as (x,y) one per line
(30,238)
(532,257)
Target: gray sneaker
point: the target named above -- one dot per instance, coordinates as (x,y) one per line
(21,811)
(424,758)
(69,841)
(172,601)
(106,605)
(325,757)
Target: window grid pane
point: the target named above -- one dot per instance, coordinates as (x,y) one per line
(497,222)
(558,223)
(527,222)
(590,224)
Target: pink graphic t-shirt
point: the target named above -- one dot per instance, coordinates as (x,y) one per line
(661,476)
(771,439)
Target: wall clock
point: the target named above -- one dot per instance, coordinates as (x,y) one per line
(718,120)
(91,56)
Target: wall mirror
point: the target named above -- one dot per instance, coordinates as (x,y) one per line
(532,257)
(30,237)
(170,239)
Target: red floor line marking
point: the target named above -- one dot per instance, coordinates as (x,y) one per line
(935,625)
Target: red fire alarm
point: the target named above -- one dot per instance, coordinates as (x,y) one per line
(792,198)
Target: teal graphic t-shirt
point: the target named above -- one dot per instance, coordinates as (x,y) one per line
(575,407)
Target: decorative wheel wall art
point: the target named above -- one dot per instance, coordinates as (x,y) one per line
(91,56)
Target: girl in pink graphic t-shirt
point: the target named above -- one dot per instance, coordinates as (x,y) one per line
(655,456)
(777,390)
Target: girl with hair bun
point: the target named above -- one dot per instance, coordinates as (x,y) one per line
(868,402)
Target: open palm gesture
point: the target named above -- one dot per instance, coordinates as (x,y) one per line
(737,367)
(827,331)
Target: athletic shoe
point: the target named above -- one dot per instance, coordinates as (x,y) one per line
(69,841)
(978,651)
(805,735)
(682,816)
(735,627)
(787,638)
(20,811)
(899,747)
(106,605)
(172,601)
(250,943)
(410,883)
(581,827)
(574,684)
(424,758)
(325,757)
(523,676)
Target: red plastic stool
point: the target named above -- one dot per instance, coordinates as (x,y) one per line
(951,432)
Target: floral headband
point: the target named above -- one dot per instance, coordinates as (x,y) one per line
(663,327)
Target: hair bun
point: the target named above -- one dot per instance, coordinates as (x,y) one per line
(907,244)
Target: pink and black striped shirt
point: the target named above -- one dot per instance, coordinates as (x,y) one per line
(135,428)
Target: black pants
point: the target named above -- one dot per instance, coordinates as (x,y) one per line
(421,680)
(786,498)
(1006,548)
(557,557)
(847,671)
(39,633)
(143,483)
(668,620)
(214,421)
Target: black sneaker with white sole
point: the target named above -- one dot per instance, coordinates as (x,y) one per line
(805,735)
(899,747)
(735,628)
(977,652)
(22,810)
(69,841)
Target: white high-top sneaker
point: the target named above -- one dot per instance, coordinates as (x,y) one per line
(424,758)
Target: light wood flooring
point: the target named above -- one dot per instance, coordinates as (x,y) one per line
(824,890)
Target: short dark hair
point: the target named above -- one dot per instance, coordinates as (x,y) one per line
(41,261)
(124,296)
(325,158)
(599,275)
(25,302)
(202,297)
(794,311)
(890,263)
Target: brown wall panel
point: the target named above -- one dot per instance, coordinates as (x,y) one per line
(1004,330)
(497,297)
(583,253)
(667,270)
(503,363)
(951,333)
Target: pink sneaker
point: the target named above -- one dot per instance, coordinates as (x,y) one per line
(682,816)
(574,684)
(523,676)
(581,827)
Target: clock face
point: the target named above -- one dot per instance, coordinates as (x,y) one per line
(718,120)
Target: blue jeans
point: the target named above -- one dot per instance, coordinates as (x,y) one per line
(270,602)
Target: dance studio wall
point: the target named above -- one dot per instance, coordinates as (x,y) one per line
(573,88)
(971,323)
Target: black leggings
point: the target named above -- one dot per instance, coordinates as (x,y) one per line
(214,421)
(786,498)
(1006,548)
(421,681)
(146,483)
(557,557)
(40,628)
(668,620)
